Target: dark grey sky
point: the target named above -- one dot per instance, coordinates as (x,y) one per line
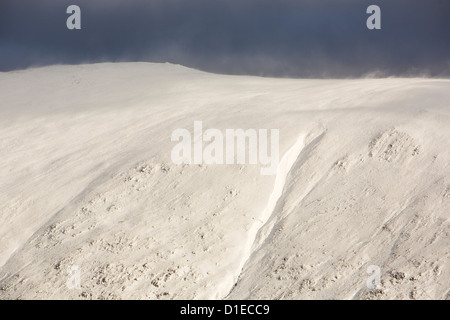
(294,38)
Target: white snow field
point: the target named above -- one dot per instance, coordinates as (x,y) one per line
(87,180)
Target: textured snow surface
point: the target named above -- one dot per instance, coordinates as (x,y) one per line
(86,180)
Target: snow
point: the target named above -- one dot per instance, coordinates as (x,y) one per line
(86,179)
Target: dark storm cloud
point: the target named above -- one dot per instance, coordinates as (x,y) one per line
(296,38)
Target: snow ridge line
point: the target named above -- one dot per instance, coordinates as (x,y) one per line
(284,167)
(270,224)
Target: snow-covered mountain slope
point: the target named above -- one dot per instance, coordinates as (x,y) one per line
(87,180)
